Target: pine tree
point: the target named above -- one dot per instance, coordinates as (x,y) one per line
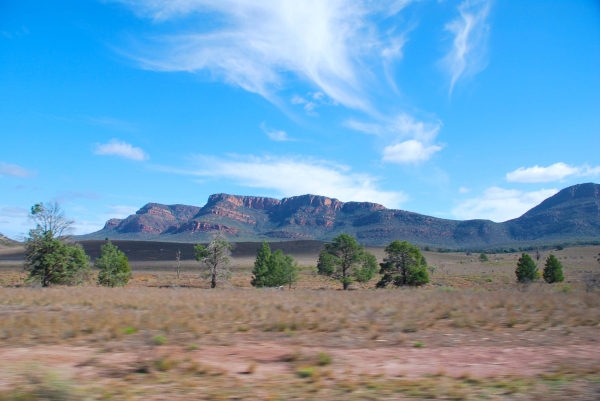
(553,270)
(526,269)
(115,270)
(260,273)
(403,265)
(346,260)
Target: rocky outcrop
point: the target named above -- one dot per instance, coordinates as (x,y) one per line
(112,223)
(573,213)
(200,226)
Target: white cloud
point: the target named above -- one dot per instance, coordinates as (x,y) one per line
(295,176)
(324,42)
(463,190)
(471,31)
(275,135)
(12,170)
(411,151)
(499,204)
(125,150)
(554,172)
(418,148)
(402,125)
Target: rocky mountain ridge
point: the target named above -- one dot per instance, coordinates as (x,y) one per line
(571,214)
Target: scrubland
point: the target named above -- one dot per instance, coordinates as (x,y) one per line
(471,334)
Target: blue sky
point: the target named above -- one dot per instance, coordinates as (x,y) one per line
(456,109)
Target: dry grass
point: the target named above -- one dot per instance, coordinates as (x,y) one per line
(163,338)
(55,315)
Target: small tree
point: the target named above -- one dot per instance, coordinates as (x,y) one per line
(49,260)
(215,258)
(285,269)
(49,217)
(261,276)
(553,270)
(404,265)
(526,269)
(178,260)
(483,257)
(346,260)
(115,270)
(273,269)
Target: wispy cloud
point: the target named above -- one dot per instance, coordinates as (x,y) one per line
(554,172)
(324,42)
(294,176)
(125,150)
(412,141)
(13,170)
(499,204)
(471,30)
(114,123)
(411,151)
(274,134)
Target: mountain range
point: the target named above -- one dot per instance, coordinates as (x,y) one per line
(572,214)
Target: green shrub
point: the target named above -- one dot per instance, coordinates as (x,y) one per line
(159,339)
(553,270)
(115,270)
(526,269)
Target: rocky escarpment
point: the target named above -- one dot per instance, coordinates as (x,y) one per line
(573,213)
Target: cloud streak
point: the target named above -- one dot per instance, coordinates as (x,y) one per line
(330,44)
(499,204)
(13,170)
(294,176)
(471,30)
(555,172)
(274,134)
(121,149)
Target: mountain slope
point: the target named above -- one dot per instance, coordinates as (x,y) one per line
(573,213)
(5,241)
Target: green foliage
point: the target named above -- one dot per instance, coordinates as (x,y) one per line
(215,258)
(159,339)
(324,359)
(553,270)
(526,269)
(560,247)
(483,257)
(273,269)
(114,267)
(404,265)
(51,261)
(347,261)
(260,274)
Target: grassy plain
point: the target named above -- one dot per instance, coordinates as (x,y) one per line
(471,334)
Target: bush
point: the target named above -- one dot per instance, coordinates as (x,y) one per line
(273,269)
(115,270)
(483,257)
(553,270)
(52,261)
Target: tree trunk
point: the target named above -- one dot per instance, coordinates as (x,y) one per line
(213,281)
